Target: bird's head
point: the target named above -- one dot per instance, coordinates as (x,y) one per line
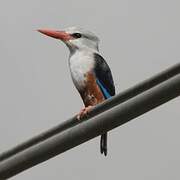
(75,38)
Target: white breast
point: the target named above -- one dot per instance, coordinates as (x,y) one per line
(80,63)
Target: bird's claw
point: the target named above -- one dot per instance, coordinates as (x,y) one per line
(84,112)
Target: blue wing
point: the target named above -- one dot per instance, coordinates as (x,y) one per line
(104,77)
(103,89)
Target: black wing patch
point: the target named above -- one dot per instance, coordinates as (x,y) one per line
(103,73)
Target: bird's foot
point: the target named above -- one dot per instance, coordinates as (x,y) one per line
(84,112)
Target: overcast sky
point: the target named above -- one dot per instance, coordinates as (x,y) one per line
(138,39)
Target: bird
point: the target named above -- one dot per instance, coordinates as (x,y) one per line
(90,72)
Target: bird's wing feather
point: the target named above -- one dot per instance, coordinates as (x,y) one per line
(104,76)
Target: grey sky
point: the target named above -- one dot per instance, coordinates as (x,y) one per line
(138,38)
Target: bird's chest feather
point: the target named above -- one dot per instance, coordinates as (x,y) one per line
(80,65)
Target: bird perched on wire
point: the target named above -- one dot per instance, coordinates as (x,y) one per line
(89,71)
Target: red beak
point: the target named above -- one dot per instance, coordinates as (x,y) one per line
(62,35)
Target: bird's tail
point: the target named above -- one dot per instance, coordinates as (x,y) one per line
(103,144)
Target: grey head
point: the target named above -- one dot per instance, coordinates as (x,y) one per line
(75,38)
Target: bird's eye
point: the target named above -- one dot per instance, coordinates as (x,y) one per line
(76,35)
